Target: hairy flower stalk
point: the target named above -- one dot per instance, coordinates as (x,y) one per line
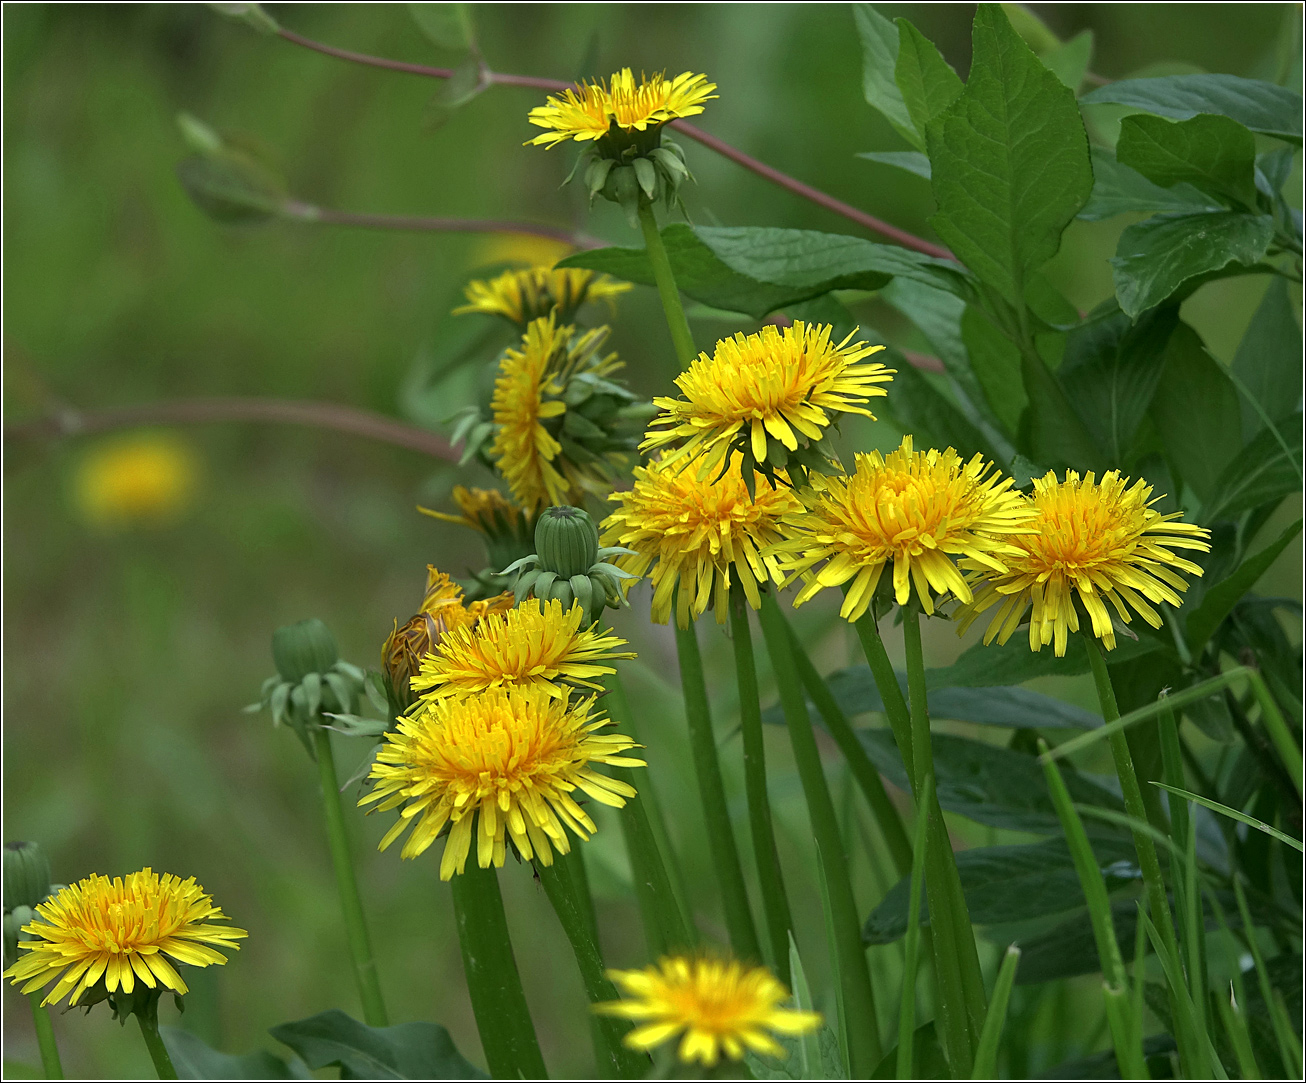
(522,296)
(719,1008)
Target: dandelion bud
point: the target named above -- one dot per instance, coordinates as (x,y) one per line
(14,921)
(303,648)
(567,541)
(401,657)
(26,875)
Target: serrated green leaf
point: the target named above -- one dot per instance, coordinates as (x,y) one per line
(1220,598)
(1117,189)
(879,39)
(1268,361)
(406,1051)
(926,81)
(449,26)
(194,1059)
(1009,161)
(1264,472)
(913,161)
(1195,410)
(1260,106)
(1069,62)
(1212,153)
(1154,259)
(995,361)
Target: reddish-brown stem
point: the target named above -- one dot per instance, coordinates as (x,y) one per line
(322,415)
(363,220)
(775,176)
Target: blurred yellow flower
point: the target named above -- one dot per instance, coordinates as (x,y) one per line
(521,248)
(508,759)
(118,931)
(526,295)
(594,109)
(1090,541)
(145,478)
(722,1007)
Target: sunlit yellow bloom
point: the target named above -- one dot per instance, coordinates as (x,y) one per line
(914,510)
(527,398)
(523,296)
(693,532)
(508,759)
(1091,541)
(535,644)
(622,102)
(788,383)
(722,1007)
(145,479)
(119,931)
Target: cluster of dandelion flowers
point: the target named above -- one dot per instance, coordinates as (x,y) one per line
(593,110)
(1091,541)
(508,759)
(914,510)
(121,931)
(785,383)
(721,1007)
(694,531)
(537,644)
(525,295)
(529,393)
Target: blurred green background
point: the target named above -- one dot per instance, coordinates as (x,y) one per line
(130,650)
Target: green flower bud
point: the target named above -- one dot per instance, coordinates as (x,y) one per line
(567,541)
(26,875)
(303,648)
(14,922)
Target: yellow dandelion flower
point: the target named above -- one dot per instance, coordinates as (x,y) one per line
(915,510)
(115,932)
(535,644)
(139,479)
(487,511)
(722,1007)
(1090,541)
(787,383)
(593,110)
(508,759)
(528,402)
(526,295)
(694,532)
(522,249)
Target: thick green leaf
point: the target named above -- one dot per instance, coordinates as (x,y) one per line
(1117,189)
(1212,153)
(1069,62)
(913,161)
(1221,597)
(995,361)
(983,666)
(1264,472)
(1268,361)
(449,26)
(1262,107)
(406,1051)
(1009,161)
(922,410)
(194,1059)
(879,60)
(1155,258)
(928,1061)
(926,81)
(1010,883)
(991,785)
(1196,412)
(1069,949)
(759,270)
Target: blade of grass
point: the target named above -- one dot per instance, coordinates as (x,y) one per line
(1289,1047)
(911,964)
(1195,1049)
(1239,1037)
(986,1054)
(1233,814)
(809,1044)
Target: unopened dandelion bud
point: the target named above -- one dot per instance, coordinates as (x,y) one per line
(303,648)
(567,541)
(14,921)
(402,655)
(26,875)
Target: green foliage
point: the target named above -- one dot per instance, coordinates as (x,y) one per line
(1268,361)
(1212,153)
(1260,106)
(407,1051)
(194,1059)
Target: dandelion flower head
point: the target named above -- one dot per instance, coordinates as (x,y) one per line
(506,761)
(721,1008)
(1094,542)
(592,110)
(119,932)
(525,295)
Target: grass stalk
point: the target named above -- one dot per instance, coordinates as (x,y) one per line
(986,1053)
(912,942)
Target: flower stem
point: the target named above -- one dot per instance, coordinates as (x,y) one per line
(720,835)
(493,983)
(45,1038)
(615,1060)
(868,778)
(360,946)
(864,1049)
(667,289)
(775,903)
(959,982)
(667,924)
(149,1022)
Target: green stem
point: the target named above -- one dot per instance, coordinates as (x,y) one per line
(493,983)
(45,1038)
(615,1060)
(959,981)
(667,289)
(716,813)
(360,945)
(912,941)
(864,1049)
(149,1022)
(775,903)
(868,778)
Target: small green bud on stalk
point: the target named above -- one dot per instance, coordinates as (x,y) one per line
(26,875)
(303,648)
(567,541)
